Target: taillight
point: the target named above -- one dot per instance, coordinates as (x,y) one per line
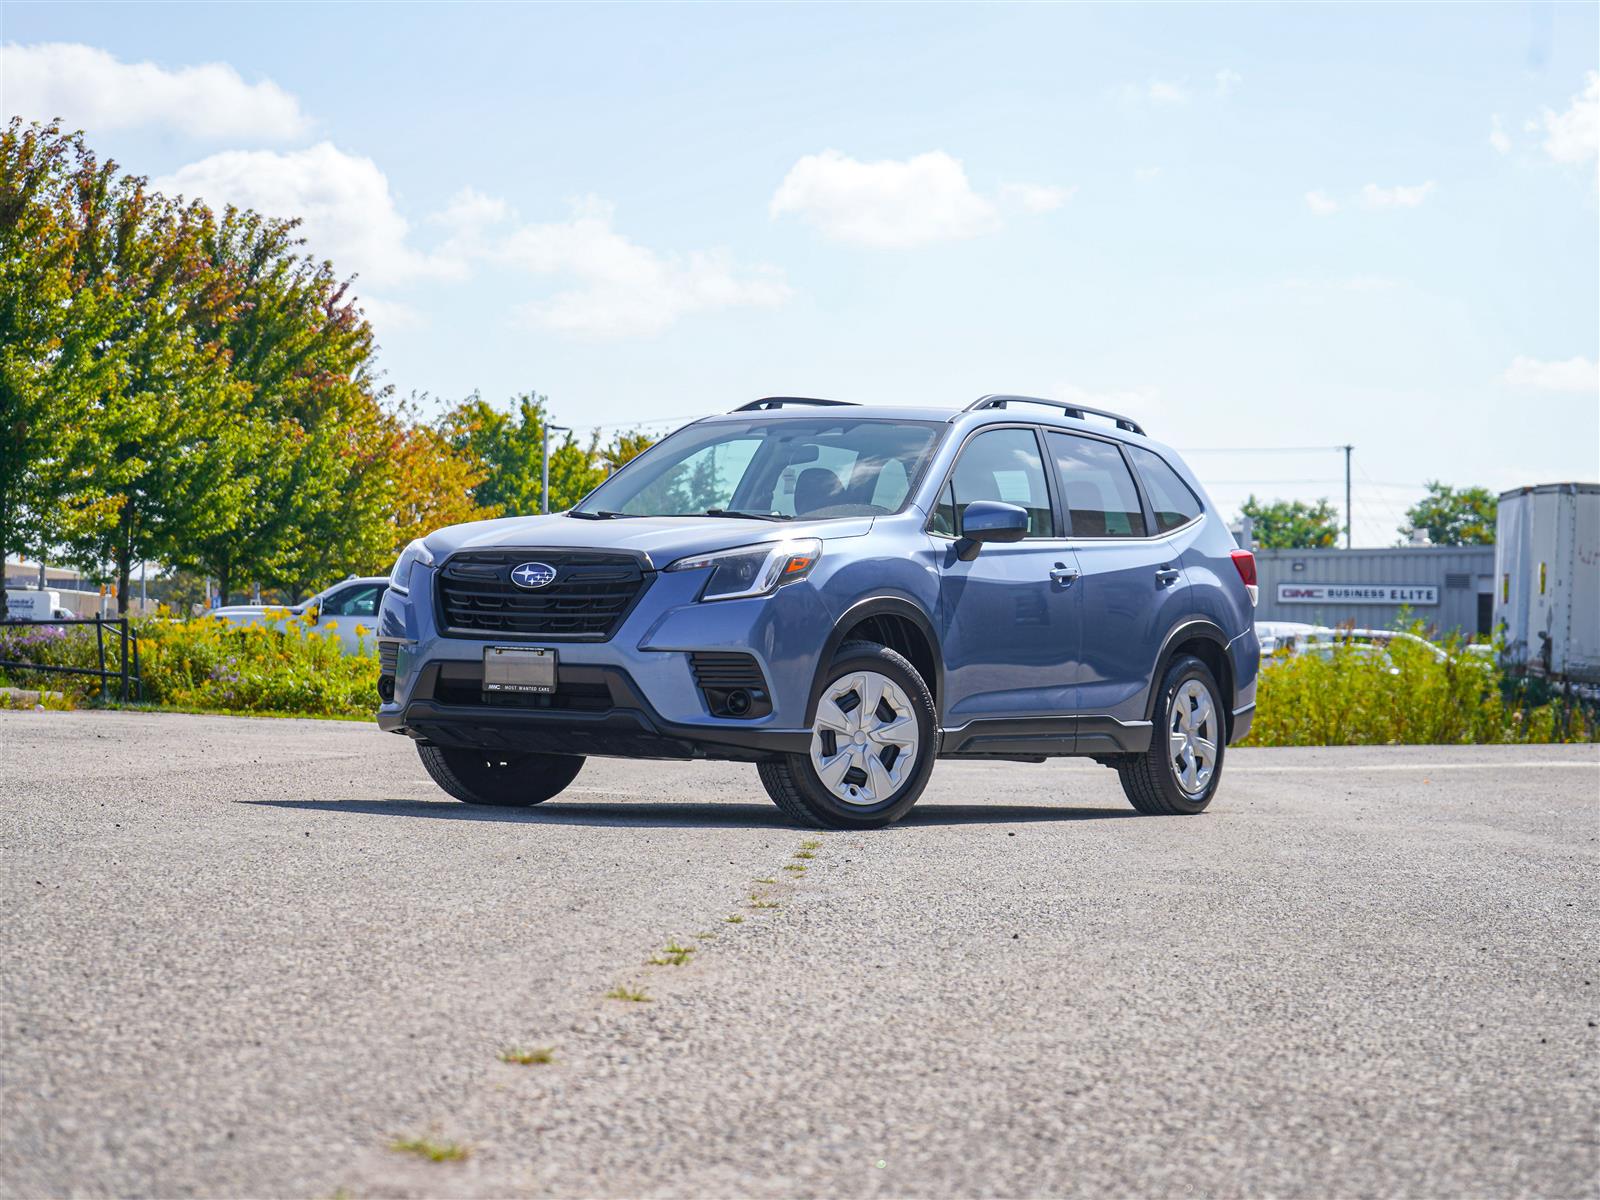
(1245,563)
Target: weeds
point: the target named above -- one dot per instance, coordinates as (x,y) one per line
(759,901)
(736,919)
(673,955)
(535,1056)
(631,995)
(431,1149)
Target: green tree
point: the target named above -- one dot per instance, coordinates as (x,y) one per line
(508,447)
(624,448)
(46,379)
(159,461)
(1292,524)
(1453,517)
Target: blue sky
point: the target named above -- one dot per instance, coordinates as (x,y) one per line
(1246,226)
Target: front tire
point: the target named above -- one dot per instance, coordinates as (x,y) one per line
(872,745)
(500,780)
(1180,772)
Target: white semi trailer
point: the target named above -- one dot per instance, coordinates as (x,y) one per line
(1547,580)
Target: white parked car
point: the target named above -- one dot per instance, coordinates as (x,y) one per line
(344,608)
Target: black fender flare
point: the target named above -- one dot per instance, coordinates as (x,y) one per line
(1191,627)
(861,610)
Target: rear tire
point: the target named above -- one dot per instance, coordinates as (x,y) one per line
(500,780)
(873,781)
(1180,772)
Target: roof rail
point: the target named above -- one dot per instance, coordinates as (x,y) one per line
(1080,411)
(771,402)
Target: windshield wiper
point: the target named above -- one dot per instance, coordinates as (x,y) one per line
(601,514)
(745,516)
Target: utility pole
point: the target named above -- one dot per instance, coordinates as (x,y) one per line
(544,470)
(1347,518)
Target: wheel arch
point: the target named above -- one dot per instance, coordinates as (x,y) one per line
(1206,641)
(892,621)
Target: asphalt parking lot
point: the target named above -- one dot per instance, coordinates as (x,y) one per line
(247,957)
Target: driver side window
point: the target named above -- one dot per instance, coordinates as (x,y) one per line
(999,464)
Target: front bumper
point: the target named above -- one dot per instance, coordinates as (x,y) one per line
(610,717)
(634,695)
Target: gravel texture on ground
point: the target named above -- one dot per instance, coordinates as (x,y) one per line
(249,956)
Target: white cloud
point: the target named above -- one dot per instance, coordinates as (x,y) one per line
(892,202)
(1147,174)
(624,289)
(1227,81)
(91,89)
(1036,197)
(1570,375)
(1498,137)
(1321,205)
(1162,92)
(1400,196)
(1574,136)
(349,214)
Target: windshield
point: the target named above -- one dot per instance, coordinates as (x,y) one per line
(774,469)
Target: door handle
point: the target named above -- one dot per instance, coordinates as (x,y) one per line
(1167,576)
(1063,574)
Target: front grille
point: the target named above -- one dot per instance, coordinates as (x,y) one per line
(590,595)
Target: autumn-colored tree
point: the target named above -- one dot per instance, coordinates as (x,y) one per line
(434,484)
(318,470)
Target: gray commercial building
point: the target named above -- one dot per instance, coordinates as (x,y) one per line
(1447,587)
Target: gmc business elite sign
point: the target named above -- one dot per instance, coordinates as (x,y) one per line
(1357,593)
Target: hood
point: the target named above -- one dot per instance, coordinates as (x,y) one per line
(661,539)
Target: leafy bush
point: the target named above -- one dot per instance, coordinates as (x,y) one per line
(205,664)
(1403,693)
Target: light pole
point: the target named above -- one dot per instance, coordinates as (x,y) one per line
(544,469)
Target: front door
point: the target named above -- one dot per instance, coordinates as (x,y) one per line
(1009,619)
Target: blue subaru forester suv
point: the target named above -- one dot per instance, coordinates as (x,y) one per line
(840,595)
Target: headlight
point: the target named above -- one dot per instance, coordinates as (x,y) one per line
(753,570)
(400,577)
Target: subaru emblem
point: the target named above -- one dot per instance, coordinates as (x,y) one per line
(533,575)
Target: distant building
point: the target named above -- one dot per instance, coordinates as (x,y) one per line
(1448,588)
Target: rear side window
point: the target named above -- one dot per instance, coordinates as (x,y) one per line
(1000,464)
(1102,500)
(1170,497)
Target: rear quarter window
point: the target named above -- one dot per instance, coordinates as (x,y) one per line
(1174,503)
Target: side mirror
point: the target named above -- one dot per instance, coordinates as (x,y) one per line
(989,521)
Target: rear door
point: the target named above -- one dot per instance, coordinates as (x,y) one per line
(1009,621)
(1129,575)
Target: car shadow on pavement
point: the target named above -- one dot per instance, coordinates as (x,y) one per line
(656,813)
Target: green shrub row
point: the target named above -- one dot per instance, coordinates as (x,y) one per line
(1354,695)
(1404,693)
(286,668)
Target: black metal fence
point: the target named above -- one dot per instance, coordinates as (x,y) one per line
(124,672)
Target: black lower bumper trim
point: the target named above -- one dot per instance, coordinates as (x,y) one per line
(628,728)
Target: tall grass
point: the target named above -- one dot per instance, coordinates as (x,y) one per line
(1402,694)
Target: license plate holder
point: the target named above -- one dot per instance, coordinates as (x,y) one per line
(520,669)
